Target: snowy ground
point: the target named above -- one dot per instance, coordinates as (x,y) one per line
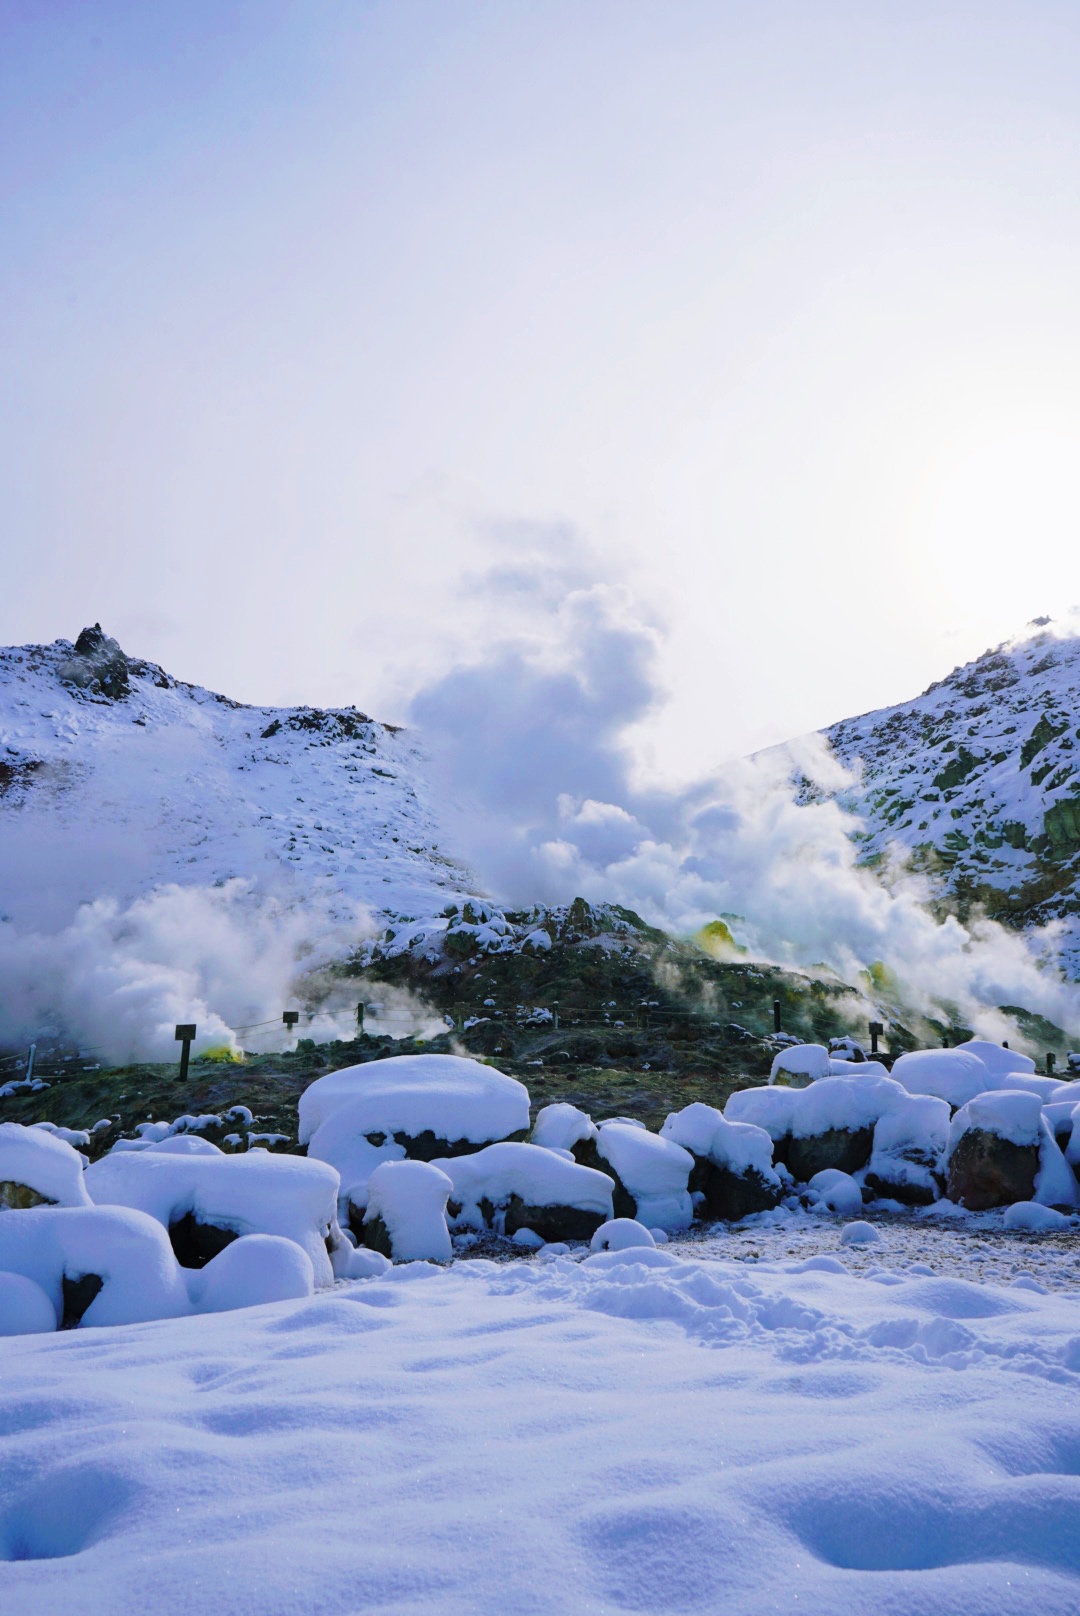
(641,1431)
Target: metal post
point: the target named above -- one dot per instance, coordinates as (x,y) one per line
(555,1013)
(1051,1062)
(30,1058)
(776,1015)
(360,1019)
(185,1032)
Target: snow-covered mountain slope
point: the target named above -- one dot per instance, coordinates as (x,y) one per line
(116,777)
(976,784)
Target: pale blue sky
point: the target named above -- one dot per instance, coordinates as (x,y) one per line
(311,314)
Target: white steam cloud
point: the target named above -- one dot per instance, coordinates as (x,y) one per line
(119,977)
(532,742)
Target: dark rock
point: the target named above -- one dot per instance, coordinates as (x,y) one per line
(552,1222)
(733,1196)
(195,1243)
(20,1197)
(427,1146)
(846,1149)
(78,1294)
(904,1191)
(986,1170)
(98,665)
(374,1234)
(586,1154)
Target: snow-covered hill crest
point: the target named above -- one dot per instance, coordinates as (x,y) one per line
(976,784)
(115,777)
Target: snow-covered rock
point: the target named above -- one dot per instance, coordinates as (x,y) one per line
(800,1064)
(769,1108)
(733,1161)
(562,1126)
(206,1202)
(406,1212)
(38,1168)
(994,1150)
(515,1186)
(621,1234)
(833,1121)
(96,1264)
(911,1141)
(651,1175)
(415,1106)
(835,1190)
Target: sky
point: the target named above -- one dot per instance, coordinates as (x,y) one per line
(332,333)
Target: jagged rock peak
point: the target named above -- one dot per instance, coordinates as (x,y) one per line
(98,665)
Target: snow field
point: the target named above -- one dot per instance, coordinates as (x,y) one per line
(635,1432)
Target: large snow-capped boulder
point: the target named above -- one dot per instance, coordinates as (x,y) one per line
(415,1107)
(406,1212)
(954,1075)
(733,1161)
(651,1175)
(514,1186)
(800,1064)
(96,1264)
(1001,1150)
(206,1202)
(911,1141)
(38,1169)
(833,1121)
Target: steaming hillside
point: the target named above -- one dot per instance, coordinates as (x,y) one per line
(976,784)
(115,777)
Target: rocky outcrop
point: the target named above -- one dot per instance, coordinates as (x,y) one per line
(731,1196)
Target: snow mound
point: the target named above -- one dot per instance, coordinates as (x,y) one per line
(955,1075)
(25,1308)
(407,1208)
(253,1193)
(859,1234)
(621,1234)
(36,1159)
(183,1144)
(529,1174)
(562,1126)
(835,1190)
(653,1171)
(254,1270)
(1034,1219)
